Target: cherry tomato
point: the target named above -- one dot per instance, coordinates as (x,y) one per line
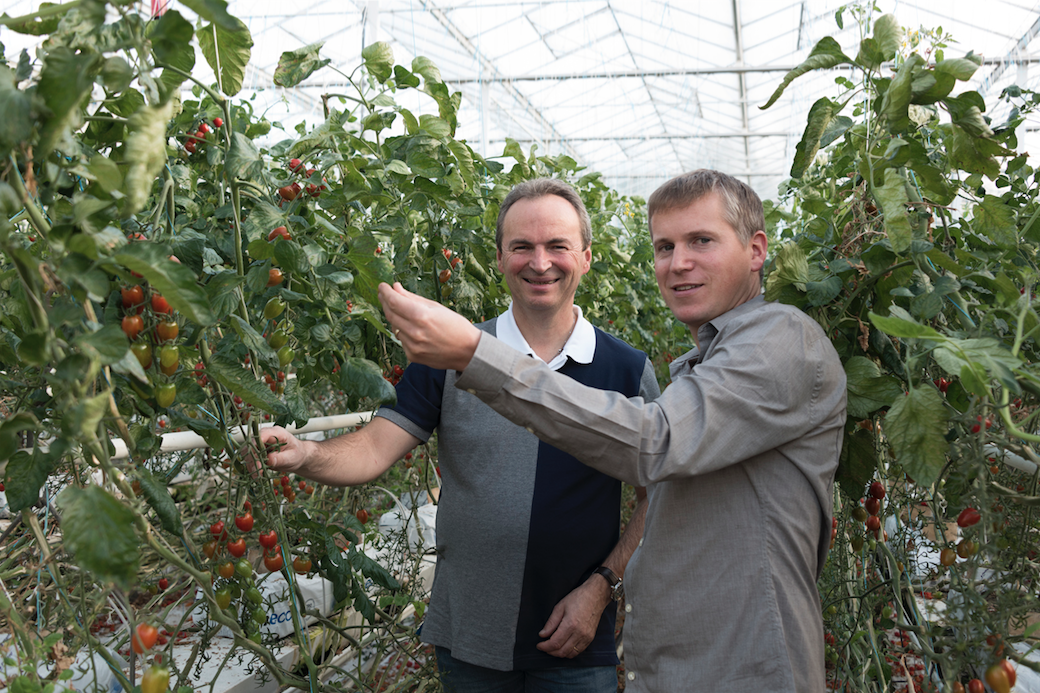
(301,565)
(163,584)
(143,352)
(278,339)
(155,680)
(288,193)
(203,128)
(165,394)
(294,165)
(268,540)
(1009,668)
(447,253)
(244,522)
(966,548)
(997,678)
(975,686)
(273,561)
(253,595)
(873,523)
(872,505)
(274,308)
(237,548)
(226,570)
(285,356)
(132,296)
(968,517)
(132,326)
(947,556)
(223,596)
(218,122)
(877,490)
(274,276)
(445,275)
(145,638)
(160,304)
(859,513)
(169,359)
(210,548)
(280,232)
(167,331)
(189,146)
(217,529)
(244,568)
(362,516)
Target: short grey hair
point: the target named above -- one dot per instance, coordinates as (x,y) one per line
(541,187)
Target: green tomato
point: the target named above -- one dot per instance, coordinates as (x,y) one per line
(155,680)
(170,356)
(253,595)
(244,569)
(274,308)
(278,339)
(260,616)
(236,590)
(143,352)
(223,596)
(165,394)
(255,637)
(285,356)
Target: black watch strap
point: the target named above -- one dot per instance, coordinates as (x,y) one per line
(617,588)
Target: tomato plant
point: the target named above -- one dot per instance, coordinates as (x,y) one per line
(155,680)
(132,326)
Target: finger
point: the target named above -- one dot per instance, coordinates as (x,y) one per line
(555,619)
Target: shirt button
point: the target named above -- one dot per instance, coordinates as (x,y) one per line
(640,541)
(631,676)
(530,430)
(471,391)
(628,608)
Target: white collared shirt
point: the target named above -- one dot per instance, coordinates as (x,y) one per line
(581,346)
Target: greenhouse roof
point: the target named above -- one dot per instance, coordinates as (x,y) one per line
(639,90)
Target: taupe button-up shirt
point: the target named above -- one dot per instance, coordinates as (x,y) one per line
(738,456)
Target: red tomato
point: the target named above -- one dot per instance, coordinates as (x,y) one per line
(362,516)
(269,540)
(217,529)
(873,523)
(1010,669)
(237,548)
(873,505)
(273,561)
(294,165)
(877,490)
(218,122)
(132,326)
(203,128)
(445,276)
(189,146)
(274,275)
(301,565)
(244,522)
(288,193)
(997,678)
(968,517)
(160,304)
(282,232)
(132,295)
(145,638)
(226,570)
(167,331)
(975,686)
(163,583)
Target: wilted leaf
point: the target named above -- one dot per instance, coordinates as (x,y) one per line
(227,48)
(825,54)
(893,200)
(820,116)
(996,221)
(145,154)
(379,60)
(296,66)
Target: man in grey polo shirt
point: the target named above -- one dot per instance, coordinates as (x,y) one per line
(527,536)
(738,454)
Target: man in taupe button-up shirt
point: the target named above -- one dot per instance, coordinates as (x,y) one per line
(738,455)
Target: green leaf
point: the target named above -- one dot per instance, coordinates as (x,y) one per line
(241,382)
(896,102)
(99,532)
(296,66)
(893,200)
(960,68)
(825,54)
(972,154)
(106,173)
(404,78)
(820,116)
(966,112)
(422,65)
(15,113)
(823,292)
(983,356)
(227,50)
(223,293)
(372,570)
(173,280)
(37,26)
(868,390)
(145,154)
(916,428)
(901,325)
(883,44)
(214,11)
(291,257)
(83,419)
(171,43)
(158,497)
(857,463)
(362,378)
(26,473)
(370,269)
(109,344)
(379,60)
(243,159)
(65,82)
(996,221)
(254,341)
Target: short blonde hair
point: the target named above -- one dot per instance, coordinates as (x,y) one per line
(741,204)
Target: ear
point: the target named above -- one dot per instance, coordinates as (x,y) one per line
(587,257)
(758,247)
(498,257)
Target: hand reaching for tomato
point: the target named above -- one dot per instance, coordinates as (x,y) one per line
(431,334)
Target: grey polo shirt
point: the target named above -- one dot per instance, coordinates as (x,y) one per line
(738,456)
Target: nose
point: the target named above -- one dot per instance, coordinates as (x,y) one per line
(683,259)
(540,260)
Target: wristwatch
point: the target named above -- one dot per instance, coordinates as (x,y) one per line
(617,588)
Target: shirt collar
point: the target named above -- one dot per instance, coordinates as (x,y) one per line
(580,347)
(707,333)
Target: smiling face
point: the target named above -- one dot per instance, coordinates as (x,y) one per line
(541,254)
(703,269)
